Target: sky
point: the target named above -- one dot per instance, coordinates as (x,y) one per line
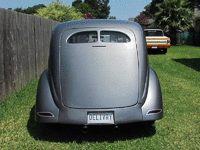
(121,9)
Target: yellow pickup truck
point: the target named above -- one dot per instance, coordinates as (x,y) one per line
(156,40)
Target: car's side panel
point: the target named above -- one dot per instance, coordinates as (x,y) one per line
(143,63)
(144,96)
(54,65)
(154,99)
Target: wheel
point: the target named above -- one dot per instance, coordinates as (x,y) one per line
(149,50)
(164,50)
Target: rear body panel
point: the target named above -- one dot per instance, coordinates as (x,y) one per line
(46,102)
(98,75)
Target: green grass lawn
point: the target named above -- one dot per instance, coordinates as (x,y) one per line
(179,75)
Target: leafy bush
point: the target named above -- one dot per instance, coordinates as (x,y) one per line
(59,12)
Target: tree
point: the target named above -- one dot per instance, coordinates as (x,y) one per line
(173,15)
(30,10)
(94,5)
(33,10)
(89,16)
(60,12)
(152,8)
(19,10)
(112,17)
(104,10)
(76,2)
(100,8)
(84,8)
(194,4)
(142,19)
(147,10)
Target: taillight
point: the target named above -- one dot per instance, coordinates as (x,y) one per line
(168,41)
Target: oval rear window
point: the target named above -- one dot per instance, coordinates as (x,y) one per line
(114,37)
(83,37)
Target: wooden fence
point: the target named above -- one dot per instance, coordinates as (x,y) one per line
(24,49)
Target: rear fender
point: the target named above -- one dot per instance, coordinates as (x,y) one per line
(45,102)
(153,100)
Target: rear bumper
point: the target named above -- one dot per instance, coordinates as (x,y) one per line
(45,103)
(159,46)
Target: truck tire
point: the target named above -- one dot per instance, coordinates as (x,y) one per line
(164,51)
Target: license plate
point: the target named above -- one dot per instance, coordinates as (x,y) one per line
(100,118)
(154,47)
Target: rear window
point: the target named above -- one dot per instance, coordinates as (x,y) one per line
(114,37)
(83,37)
(153,33)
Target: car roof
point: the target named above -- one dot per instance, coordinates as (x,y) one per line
(154,29)
(102,23)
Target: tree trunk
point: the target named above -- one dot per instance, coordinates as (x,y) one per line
(173,36)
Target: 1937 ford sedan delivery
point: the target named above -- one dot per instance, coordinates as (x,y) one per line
(98,73)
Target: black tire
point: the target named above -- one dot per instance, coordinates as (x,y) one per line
(164,51)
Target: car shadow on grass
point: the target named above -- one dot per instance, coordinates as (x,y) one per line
(72,133)
(193,63)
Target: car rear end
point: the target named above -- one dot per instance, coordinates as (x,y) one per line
(98,74)
(156,40)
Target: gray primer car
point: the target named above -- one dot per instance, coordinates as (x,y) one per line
(98,73)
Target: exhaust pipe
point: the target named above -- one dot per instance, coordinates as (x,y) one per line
(85,129)
(116,129)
